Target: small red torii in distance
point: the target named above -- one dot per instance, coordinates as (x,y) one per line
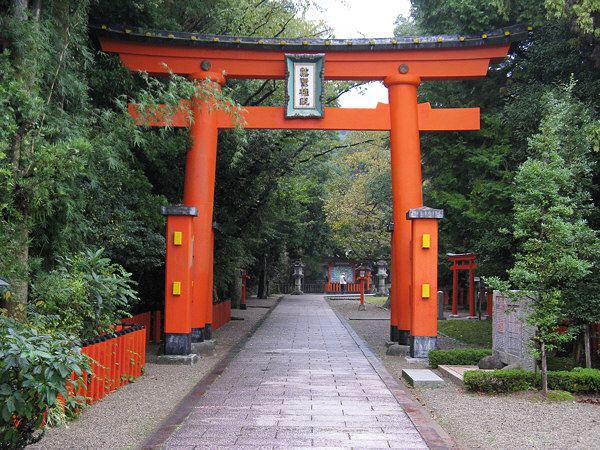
(463,261)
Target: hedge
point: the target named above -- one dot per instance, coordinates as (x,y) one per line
(498,380)
(464,357)
(578,380)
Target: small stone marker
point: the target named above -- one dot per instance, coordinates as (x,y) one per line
(421,378)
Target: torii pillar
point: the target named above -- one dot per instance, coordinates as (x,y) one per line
(406,188)
(199,191)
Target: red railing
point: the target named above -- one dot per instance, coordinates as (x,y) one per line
(116,359)
(336,287)
(151,320)
(221,313)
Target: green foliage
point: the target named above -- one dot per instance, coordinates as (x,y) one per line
(473,16)
(34,368)
(557,363)
(560,396)
(463,357)
(498,380)
(579,380)
(358,205)
(473,332)
(558,249)
(85,296)
(584,14)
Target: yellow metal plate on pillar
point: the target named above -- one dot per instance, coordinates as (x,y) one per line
(176,287)
(177,238)
(426,241)
(425,291)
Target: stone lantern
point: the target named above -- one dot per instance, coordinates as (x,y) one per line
(381,276)
(298,276)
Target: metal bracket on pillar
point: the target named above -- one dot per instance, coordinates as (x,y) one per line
(179,210)
(425,212)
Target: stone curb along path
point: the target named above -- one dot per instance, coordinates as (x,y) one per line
(303,379)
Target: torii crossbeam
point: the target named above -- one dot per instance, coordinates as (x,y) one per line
(401,63)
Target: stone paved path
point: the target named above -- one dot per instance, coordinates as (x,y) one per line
(300,381)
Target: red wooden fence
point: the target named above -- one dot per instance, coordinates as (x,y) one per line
(221,313)
(117,359)
(152,320)
(336,287)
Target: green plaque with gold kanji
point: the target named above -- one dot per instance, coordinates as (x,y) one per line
(304,90)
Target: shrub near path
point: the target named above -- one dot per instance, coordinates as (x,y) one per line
(509,421)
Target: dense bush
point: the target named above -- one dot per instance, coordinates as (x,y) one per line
(578,380)
(85,296)
(498,380)
(465,357)
(34,368)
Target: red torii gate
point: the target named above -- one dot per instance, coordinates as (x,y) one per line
(463,261)
(401,63)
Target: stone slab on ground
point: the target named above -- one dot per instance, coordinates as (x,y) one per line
(422,378)
(455,373)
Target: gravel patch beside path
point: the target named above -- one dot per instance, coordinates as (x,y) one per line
(128,416)
(512,421)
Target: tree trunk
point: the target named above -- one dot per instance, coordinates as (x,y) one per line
(388,302)
(577,345)
(20,9)
(544,368)
(586,344)
(265,278)
(235,293)
(17,302)
(261,284)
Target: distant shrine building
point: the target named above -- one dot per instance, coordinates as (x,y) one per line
(402,64)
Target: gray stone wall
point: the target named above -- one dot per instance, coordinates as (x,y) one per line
(511,338)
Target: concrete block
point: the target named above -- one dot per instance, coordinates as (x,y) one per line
(420,345)
(421,378)
(182,360)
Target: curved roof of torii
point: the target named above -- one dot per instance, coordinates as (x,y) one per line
(429,57)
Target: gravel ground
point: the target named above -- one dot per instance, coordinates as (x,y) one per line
(127,417)
(512,421)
